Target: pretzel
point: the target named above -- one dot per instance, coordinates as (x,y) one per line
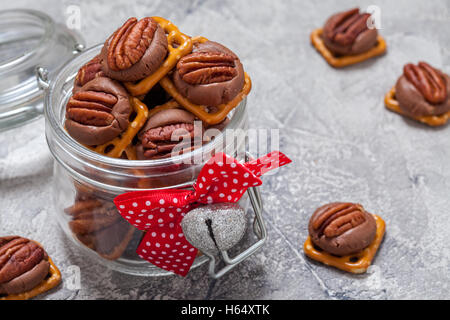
(199,111)
(355,263)
(47,284)
(339,62)
(199,39)
(121,143)
(172,104)
(130,151)
(433,121)
(184,47)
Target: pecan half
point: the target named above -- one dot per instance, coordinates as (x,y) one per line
(23,265)
(135,51)
(428,80)
(91,108)
(164,131)
(88,72)
(161,141)
(98,112)
(206,68)
(129,43)
(345,27)
(92,215)
(17,256)
(337,219)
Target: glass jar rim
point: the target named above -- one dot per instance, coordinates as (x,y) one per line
(101,160)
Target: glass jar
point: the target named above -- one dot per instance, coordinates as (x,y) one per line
(85,183)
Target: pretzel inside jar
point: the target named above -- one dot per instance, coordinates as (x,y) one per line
(211,118)
(179,45)
(119,145)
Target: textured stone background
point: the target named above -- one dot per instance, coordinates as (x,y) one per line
(333,124)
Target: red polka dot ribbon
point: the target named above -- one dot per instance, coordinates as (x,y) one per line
(159,212)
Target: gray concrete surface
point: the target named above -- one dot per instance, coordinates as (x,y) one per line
(333,124)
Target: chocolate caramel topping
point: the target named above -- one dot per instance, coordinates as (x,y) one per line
(23,265)
(342,228)
(347,33)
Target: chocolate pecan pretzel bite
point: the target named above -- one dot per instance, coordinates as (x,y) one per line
(135,50)
(25,269)
(342,228)
(344,235)
(211,75)
(347,33)
(164,131)
(88,72)
(209,82)
(346,39)
(98,112)
(421,93)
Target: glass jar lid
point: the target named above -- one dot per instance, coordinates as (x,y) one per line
(29,39)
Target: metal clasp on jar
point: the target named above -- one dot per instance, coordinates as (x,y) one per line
(259,229)
(42,73)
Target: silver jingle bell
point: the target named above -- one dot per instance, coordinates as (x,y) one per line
(214,227)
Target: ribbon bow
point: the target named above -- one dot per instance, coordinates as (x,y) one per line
(159,212)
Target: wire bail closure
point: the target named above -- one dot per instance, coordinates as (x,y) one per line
(259,229)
